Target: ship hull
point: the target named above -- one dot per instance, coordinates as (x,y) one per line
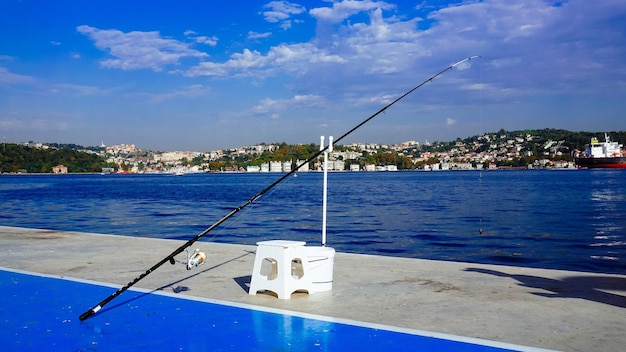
(613,163)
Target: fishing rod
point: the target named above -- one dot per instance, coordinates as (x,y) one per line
(170,257)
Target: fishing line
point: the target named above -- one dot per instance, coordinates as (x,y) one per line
(170,257)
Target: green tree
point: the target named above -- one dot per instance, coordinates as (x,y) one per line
(405,163)
(16,157)
(385,158)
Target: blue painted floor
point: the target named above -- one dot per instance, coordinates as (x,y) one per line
(41,313)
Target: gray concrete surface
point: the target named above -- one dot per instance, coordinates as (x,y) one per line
(561,310)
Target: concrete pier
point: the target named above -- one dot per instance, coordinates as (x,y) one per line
(552,309)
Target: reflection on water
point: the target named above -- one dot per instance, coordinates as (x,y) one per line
(607,200)
(606,195)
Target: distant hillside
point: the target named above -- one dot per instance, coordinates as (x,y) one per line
(506,148)
(21,158)
(571,140)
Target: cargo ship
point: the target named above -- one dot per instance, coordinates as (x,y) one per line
(605,154)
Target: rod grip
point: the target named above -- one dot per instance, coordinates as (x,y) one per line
(86,315)
(90,312)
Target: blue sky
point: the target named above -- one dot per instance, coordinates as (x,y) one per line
(205,75)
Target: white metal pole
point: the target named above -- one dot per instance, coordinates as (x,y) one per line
(324,194)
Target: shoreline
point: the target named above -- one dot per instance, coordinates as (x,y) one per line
(521,168)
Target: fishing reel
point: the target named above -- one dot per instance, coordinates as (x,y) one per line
(194,259)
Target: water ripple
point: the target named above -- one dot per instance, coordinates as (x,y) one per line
(571,220)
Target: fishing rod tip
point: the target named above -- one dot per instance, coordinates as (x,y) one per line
(469,58)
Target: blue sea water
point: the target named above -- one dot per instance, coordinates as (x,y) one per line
(573,220)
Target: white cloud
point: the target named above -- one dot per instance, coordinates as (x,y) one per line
(211,41)
(297,102)
(450,121)
(255,35)
(290,58)
(138,50)
(190,91)
(76,89)
(281,11)
(202,39)
(8,78)
(344,9)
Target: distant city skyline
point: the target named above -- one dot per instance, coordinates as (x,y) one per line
(204,76)
(129,147)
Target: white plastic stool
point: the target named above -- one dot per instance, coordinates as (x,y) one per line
(281,267)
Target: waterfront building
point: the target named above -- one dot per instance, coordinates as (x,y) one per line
(303,168)
(276,166)
(59,169)
(338,165)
